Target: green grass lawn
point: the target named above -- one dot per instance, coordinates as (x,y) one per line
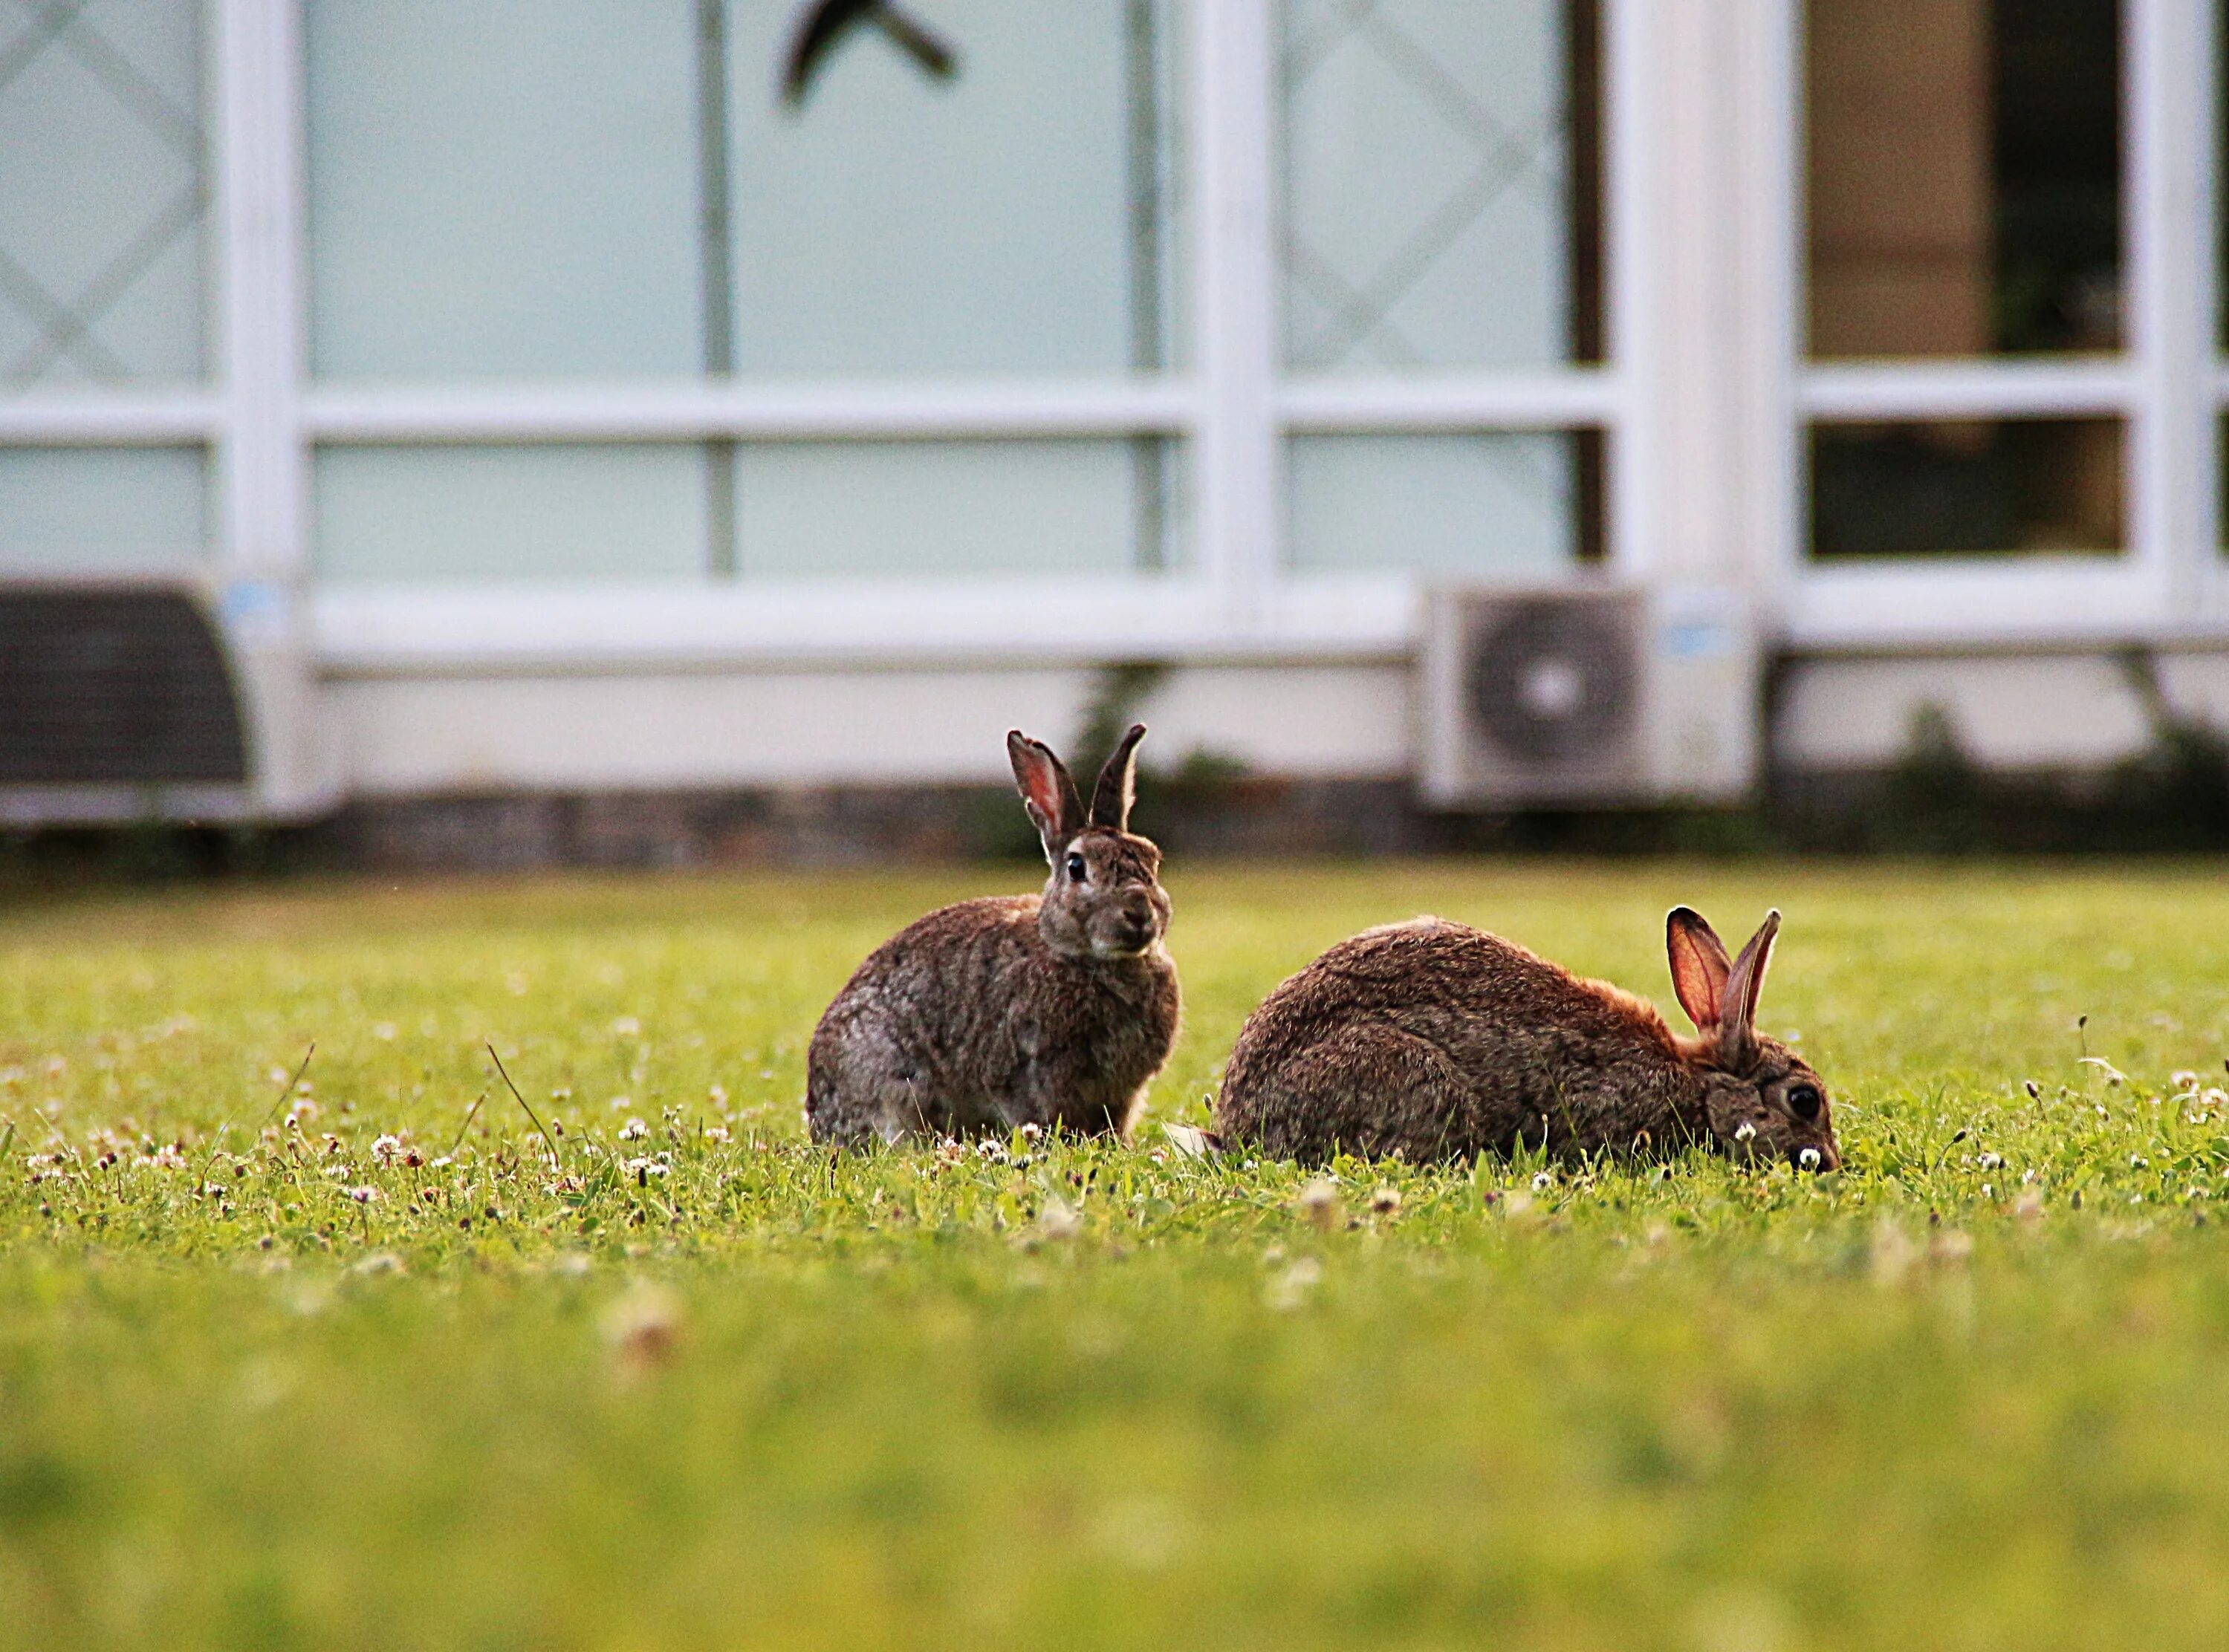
(265,1382)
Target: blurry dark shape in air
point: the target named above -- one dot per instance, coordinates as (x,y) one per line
(827,22)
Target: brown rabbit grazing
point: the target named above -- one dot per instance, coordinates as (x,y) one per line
(1042,1009)
(1436,1041)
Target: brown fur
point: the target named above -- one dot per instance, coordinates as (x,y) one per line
(1435,1041)
(1053,1009)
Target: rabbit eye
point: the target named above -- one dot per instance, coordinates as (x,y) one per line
(1804,1101)
(1075,869)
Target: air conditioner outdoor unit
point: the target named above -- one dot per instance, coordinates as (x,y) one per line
(139,700)
(1588,697)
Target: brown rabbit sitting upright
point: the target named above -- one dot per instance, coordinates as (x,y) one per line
(1017,1009)
(1435,1041)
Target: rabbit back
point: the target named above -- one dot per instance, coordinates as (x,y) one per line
(966,1022)
(1437,1040)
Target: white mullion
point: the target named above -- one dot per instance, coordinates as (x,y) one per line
(1234,109)
(1968,389)
(100,419)
(2165,230)
(1768,148)
(259,461)
(398,630)
(1551,399)
(685,411)
(2203,86)
(1629,336)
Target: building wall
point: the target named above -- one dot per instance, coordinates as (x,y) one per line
(786,727)
(946,725)
(562,409)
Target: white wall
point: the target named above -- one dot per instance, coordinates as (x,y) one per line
(427,735)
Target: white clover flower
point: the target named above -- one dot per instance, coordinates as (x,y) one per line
(1808,1158)
(990,1151)
(640,1168)
(1031,1132)
(2138,1161)
(1058,1219)
(716,1133)
(1745,1133)
(644,1328)
(1544,1179)
(633,1130)
(387,1149)
(1386,1201)
(1290,1288)
(1991,1161)
(1319,1203)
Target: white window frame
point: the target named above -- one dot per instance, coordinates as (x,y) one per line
(2167,386)
(262,420)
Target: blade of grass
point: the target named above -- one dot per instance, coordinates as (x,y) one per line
(556,1159)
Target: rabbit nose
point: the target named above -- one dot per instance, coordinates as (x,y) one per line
(1137,911)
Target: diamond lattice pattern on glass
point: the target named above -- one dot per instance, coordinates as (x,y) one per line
(102,191)
(1426,219)
(1011,220)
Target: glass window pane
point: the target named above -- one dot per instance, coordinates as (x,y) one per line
(1502,506)
(507,188)
(1961,486)
(816,510)
(1441,196)
(468,513)
(1964,186)
(1015,217)
(103,510)
(102,192)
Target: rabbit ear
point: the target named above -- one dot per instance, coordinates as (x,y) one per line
(1047,792)
(1118,784)
(1737,1011)
(1699,965)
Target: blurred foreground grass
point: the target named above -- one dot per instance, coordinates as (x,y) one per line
(329,1366)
